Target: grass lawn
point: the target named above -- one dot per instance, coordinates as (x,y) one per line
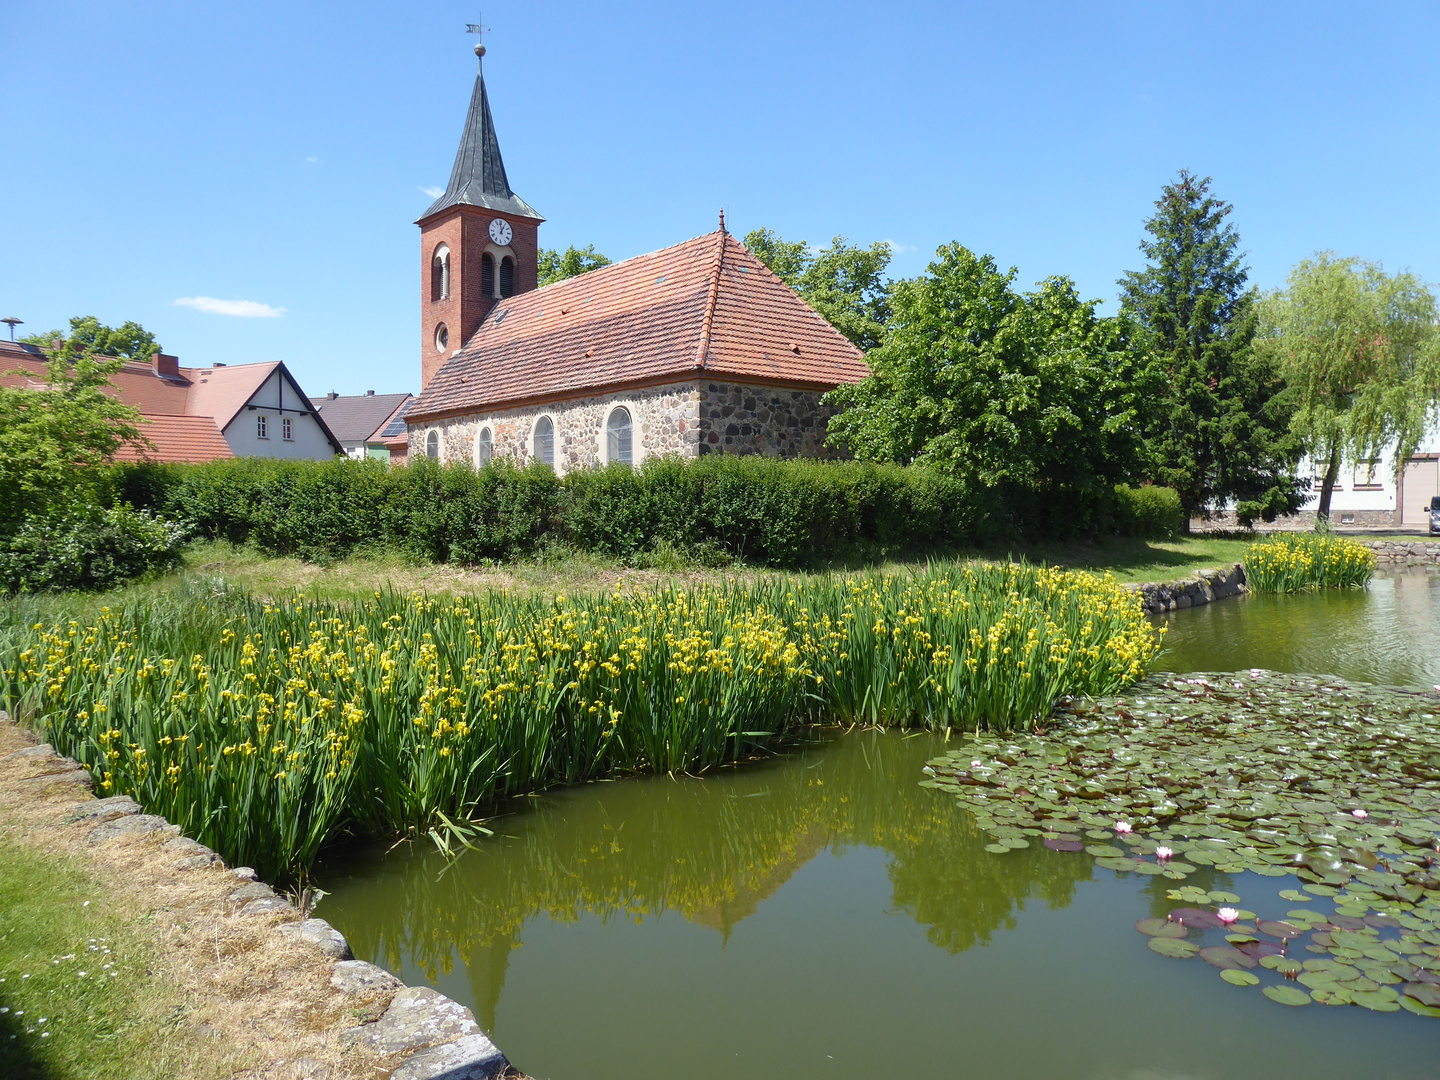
(78,997)
(1130,560)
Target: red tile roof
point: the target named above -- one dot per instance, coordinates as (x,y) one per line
(207,397)
(178,438)
(706,308)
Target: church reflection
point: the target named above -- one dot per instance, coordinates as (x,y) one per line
(710,849)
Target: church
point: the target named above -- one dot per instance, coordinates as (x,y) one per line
(695,349)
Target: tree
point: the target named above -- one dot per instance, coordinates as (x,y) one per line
(1031,395)
(1218,427)
(1359,348)
(842,282)
(53,442)
(130,341)
(558,265)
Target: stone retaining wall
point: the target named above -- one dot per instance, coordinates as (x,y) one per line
(426,1034)
(1204,587)
(1393,552)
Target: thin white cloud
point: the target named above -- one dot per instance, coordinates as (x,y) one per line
(313,160)
(433,192)
(898,247)
(240,309)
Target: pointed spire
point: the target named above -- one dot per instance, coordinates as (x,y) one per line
(478,177)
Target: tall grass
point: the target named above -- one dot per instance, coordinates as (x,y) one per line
(1295,562)
(266,729)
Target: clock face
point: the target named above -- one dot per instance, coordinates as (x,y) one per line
(500,231)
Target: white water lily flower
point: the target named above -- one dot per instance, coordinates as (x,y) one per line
(1163,852)
(1360,814)
(1227,915)
(1122,827)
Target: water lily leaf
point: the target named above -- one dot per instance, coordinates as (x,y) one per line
(1055,844)
(1161,928)
(1281,964)
(1282,930)
(1220,897)
(1425,993)
(1330,996)
(1239,977)
(1305,915)
(1105,851)
(1196,917)
(1286,995)
(1293,895)
(1409,1004)
(1376,1000)
(996,849)
(1226,956)
(1178,948)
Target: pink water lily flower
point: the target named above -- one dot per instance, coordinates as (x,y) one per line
(1361,814)
(1122,826)
(1227,915)
(1163,852)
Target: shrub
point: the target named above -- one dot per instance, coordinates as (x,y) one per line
(87,548)
(1151,512)
(1294,562)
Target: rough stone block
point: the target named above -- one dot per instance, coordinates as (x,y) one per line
(42,750)
(136,825)
(322,935)
(100,811)
(268,905)
(255,890)
(418,1017)
(196,862)
(474,1057)
(360,977)
(183,845)
(81,777)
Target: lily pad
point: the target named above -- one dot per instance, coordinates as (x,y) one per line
(1424,993)
(1286,995)
(997,849)
(1227,956)
(1161,928)
(1178,948)
(1240,977)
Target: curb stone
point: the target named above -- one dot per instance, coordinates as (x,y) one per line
(437,1038)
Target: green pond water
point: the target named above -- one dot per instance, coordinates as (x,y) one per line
(821,915)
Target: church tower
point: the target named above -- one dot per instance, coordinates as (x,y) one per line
(479,242)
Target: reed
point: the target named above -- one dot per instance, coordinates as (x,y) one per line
(266,729)
(1295,562)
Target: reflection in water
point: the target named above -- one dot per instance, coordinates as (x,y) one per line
(710,850)
(1388,633)
(823,916)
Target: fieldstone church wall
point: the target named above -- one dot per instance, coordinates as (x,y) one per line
(689,419)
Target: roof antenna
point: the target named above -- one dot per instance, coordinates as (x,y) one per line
(722,219)
(13,322)
(477,30)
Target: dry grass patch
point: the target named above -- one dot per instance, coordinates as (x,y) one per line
(203,993)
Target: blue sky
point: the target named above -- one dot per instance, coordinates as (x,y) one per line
(275,153)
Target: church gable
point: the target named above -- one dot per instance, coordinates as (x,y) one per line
(706,308)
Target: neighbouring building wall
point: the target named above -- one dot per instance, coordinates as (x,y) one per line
(688,419)
(277,400)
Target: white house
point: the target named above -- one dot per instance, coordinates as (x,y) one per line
(1371,495)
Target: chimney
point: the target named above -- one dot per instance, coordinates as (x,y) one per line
(369,393)
(166,366)
(331,396)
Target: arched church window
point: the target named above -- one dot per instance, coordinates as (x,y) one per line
(484,448)
(440,274)
(432,446)
(544,441)
(487,274)
(507,276)
(619,438)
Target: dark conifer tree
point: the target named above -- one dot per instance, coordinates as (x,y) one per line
(1217,428)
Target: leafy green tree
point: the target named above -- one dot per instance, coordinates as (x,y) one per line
(54,441)
(844,282)
(129,341)
(1218,427)
(1360,351)
(558,265)
(1030,395)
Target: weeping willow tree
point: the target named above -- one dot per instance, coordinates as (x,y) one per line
(1360,351)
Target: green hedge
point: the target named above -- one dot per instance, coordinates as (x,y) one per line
(1148,511)
(758,510)
(86,547)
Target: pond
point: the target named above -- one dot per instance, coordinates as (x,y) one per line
(822,915)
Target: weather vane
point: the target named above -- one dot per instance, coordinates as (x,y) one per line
(478,30)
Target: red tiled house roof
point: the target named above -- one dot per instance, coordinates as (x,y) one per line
(706,308)
(177,439)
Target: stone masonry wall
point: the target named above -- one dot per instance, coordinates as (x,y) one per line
(767,420)
(1204,588)
(1392,552)
(688,419)
(663,420)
